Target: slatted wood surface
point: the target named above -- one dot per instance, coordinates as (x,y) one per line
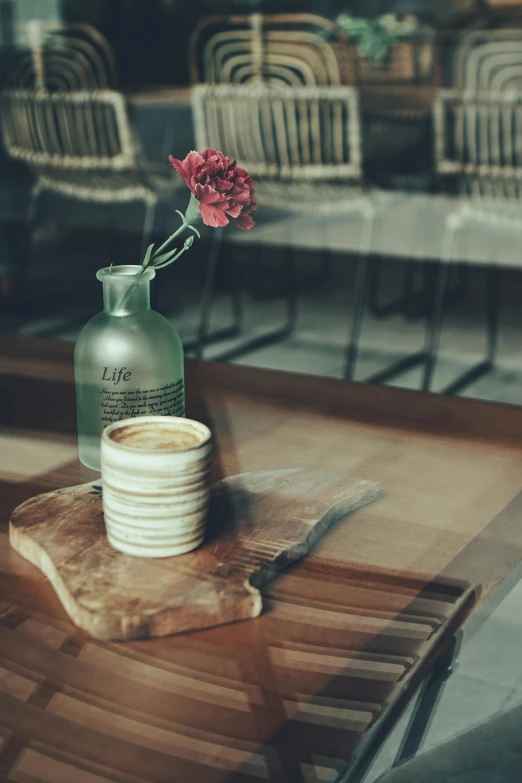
(258,524)
(283,697)
(286,696)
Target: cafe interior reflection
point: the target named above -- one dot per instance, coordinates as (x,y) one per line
(325,188)
(385,143)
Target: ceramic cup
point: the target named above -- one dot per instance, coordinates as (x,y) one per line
(156,484)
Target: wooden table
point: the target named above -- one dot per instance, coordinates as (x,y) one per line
(288,696)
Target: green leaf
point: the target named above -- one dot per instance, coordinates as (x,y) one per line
(148,254)
(174,258)
(164,257)
(167,263)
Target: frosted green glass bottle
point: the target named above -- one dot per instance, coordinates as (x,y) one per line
(128,361)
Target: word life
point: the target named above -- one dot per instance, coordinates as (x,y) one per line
(117,375)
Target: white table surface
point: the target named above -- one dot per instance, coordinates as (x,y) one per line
(407,225)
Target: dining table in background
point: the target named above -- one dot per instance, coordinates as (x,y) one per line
(307,690)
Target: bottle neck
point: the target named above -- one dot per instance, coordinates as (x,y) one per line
(125,291)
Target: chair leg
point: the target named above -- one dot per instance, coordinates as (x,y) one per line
(207,298)
(204,336)
(33,206)
(425,706)
(416,302)
(492,293)
(437,313)
(374,280)
(233,279)
(403,302)
(307,282)
(487,365)
(424,709)
(25,247)
(273,336)
(410,303)
(359,296)
(327,265)
(292,297)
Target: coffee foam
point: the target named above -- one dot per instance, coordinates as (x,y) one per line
(158,436)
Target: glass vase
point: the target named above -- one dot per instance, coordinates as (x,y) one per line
(128,361)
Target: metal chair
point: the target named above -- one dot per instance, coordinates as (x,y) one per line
(303,146)
(60,117)
(307,49)
(285,49)
(81,146)
(478,154)
(478,146)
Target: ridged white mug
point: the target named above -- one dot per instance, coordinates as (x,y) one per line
(156,484)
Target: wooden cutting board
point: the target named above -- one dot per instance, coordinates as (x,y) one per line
(258,524)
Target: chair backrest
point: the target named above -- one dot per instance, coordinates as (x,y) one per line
(56,56)
(287,49)
(81,131)
(293,133)
(478,136)
(478,119)
(488,60)
(482,50)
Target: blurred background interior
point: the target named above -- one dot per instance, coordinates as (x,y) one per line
(385,139)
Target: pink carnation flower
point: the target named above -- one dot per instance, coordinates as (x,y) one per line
(223,189)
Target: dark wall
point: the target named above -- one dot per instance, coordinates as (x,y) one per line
(149,37)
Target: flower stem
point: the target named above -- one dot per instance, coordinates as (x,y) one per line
(148,261)
(169,240)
